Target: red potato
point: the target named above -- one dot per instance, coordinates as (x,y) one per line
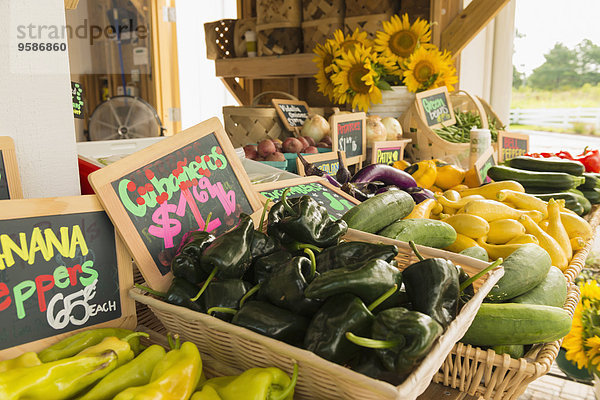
(277,156)
(292,145)
(266,147)
(311,150)
(324,145)
(259,158)
(311,141)
(304,142)
(326,139)
(278,143)
(251,151)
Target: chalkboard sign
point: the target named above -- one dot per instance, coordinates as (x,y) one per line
(77,97)
(326,162)
(333,199)
(349,134)
(160,193)
(483,164)
(10,183)
(293,113)
(435,106)
(62,269)
(511,145)
(388,151)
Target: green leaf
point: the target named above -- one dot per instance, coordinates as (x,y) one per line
(383,85)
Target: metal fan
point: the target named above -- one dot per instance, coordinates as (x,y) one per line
(124,117)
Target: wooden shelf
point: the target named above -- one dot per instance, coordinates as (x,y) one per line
(293,65)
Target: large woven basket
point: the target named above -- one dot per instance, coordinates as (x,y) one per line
(368,23)
(369,7)
(237,347)
(313,10)
(314,32)
(492,376)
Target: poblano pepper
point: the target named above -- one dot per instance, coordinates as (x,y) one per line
(56,380)
(370,365)
(25,360)
(224,293)
(401,338)
(75,343)
(347,253)
(265,266)
(271,321)
(339,314)
(367,280)
(433,287)
(186,263)
(263,245)
(303,220)
(180,293)
(285,287)
(253,384)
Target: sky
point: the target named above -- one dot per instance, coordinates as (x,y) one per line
(546,22)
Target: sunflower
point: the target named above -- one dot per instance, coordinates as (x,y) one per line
(324,59)
(429,69)
(399,39)
(583,341)
(356,79)
(346,43)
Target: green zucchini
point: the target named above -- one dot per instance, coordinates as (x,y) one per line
(476,252)
(593,195)
(585,203)
(547,165)
(556,180)
(591,181)
(524,269)
(426,232)
(514,350)
(551,292)
(379,211)
(513,323)
(571,200)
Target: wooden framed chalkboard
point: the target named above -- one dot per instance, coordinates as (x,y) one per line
(10,182)
(327,162)
(293,113)
(483,164)
(511,145)
(333,199)
(349,134)
(436,108)
(63,268)
(160,193)
(388,151)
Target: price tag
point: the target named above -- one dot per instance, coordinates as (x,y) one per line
(435,106)
(77,99)
(483,164)
(62,269)
(511,145)
(10,183)
(160,193)
(388,151)
(326,162)
(293,113)
(349,134)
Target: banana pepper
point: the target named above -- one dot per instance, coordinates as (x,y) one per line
(25,360)
(121,347)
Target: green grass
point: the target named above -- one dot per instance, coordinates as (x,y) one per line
(586,96)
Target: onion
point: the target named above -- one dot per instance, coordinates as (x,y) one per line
(393,128)
(315,127)
(375,130)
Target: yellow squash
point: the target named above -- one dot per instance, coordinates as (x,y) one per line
(496,251)
(491,210)
(557,230)
(490,190)
(456,204)
(576,226)
(504,230)
(469,225)
(437,209)
(422,210)
(462,242)
(448,175)
(547,242)
(459,188)
(577,244)
(471,179)
(523,201)
(525,238)
(401,164)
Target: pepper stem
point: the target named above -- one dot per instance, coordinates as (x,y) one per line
(262,216)
(413,246)
(313,262)
(207,221)
(206,283)
(302,246)
(249,293)
(174,344)
(478,275)
(134,335)
(383,297)
(151,291)
(375,343)
(227,310)
(286,204)
(290,388)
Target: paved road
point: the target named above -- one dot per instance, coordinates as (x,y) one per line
(554,142)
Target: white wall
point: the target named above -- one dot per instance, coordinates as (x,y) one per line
(202,94)
(35,102)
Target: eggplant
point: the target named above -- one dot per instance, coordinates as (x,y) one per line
(353,191)
(343,174)
(310,169)
(386,174)
(332,180)
(419,194)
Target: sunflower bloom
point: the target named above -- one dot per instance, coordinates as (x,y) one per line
(429,69)
(345,43)
(324,60)
(355,79)
(399,39)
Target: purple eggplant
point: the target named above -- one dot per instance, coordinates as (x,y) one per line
(332,180)
(310,169)
(386,174)
(343,174)
(355,192)
(420,194)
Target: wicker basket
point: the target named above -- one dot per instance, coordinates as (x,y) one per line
(320,379)
(427,145)
(355,8)
(367,23)
(219,36)
(492,376)
(279,39)
(313,10)
(239,40)
(279,11)
(314,32)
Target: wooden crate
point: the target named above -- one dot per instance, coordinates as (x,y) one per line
(313,10)
(314,32)
(367,23)
(355,8)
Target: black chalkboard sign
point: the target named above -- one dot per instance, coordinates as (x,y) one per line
(293,113)
(483,164)
(335,201)
(511,145)
(4,192)
(388,151)
(436,107)
(327,162)
(77,98)
(350,136)
(59,272)
(160,193)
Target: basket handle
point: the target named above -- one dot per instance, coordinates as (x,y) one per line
(480,109)
(261,95)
